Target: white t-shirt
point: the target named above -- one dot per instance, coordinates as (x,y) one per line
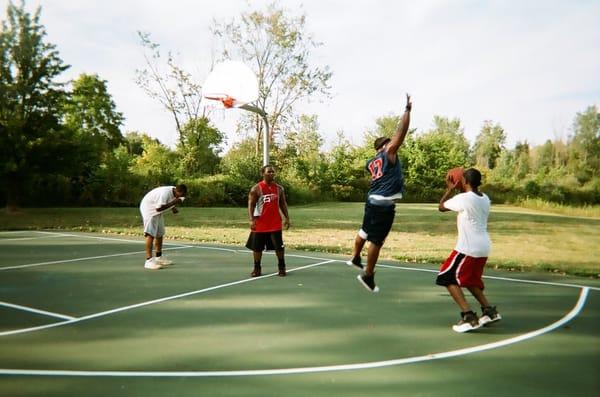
(473,212)
(154,199)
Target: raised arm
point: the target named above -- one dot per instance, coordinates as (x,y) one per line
(400,134)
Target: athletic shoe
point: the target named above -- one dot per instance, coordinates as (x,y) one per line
(163,261)
(282,272)
(152,264)
(468,322)
(256,272)
(355,262)
(368,282)
(489,315)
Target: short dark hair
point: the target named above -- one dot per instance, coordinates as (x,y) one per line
(181,188)
(473,177)
(379,142)
(264,168)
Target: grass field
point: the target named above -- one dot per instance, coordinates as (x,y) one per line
(79,316)
(523,239)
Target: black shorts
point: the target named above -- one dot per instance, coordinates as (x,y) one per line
(377,222)
(258,241)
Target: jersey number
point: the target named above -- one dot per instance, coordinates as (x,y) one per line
(376,168)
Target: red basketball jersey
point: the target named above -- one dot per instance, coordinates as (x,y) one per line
(267,208)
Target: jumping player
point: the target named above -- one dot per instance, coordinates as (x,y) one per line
(464,266)
(152,207)
(265,200)
(387,184)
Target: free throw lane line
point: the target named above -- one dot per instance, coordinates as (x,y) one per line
(151,302)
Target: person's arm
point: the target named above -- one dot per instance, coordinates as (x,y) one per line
(398,138)
(450,187)
(252,200)
(170,204)
(284,208)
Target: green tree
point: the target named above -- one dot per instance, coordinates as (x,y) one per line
(242,162)
(488,145)
(522,161)
(199,148)
(544,158)
(428,157)
(584,146)
(278,47)
(158,164)
(31,137)
(90,110)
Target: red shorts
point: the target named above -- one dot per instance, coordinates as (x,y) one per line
(462,270)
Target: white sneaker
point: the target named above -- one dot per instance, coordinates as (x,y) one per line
(152,264)
(163,261)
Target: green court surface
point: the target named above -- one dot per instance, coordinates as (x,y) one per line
(80,316)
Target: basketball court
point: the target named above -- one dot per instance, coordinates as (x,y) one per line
(81,316)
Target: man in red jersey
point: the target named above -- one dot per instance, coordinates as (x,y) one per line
(265,200)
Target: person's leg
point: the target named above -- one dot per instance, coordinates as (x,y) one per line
(457,294)
(479,295)
(149,242)
(281,261)
(158,242)
(359,243)
(372,256)
(257,256)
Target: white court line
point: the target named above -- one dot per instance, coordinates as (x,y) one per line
(154,301)
(517,280)
(86,258)
(328,368)
(33,238)
(38,311)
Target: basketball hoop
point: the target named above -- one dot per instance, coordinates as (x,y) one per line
(224,100)
(232,84)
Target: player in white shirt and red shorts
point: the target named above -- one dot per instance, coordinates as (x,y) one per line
(464,267)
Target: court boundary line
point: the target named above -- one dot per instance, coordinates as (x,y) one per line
(330,368)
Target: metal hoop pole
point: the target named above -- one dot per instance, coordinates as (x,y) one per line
(260,112)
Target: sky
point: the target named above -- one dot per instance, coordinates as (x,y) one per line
(527,65)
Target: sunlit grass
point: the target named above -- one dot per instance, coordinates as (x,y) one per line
(523,239)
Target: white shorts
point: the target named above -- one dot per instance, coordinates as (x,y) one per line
(154,226)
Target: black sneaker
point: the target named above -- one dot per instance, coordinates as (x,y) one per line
(489,315)
(256,272)
(282,272)
(468,322)
(355,262)
(368,282)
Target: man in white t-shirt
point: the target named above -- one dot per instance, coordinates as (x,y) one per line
(154,203)
(464,267)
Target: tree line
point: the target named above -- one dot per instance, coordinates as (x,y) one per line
(62,143)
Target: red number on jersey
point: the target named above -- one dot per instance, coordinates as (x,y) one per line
(376,168)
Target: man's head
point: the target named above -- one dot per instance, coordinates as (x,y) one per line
(268,173)
(180,190)
(472,177)
(380,143)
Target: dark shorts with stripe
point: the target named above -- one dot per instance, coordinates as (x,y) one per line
(462,270)
(377,222)
(258,241)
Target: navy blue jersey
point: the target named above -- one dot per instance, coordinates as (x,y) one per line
(387,179)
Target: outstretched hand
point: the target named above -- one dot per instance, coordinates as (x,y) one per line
(408,107)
